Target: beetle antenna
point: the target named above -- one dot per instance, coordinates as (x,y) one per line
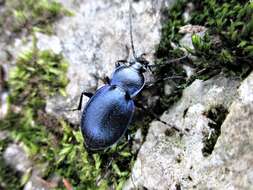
(131,28)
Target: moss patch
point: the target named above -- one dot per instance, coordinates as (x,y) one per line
(226,47)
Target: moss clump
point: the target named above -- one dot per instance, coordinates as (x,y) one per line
(39,72)
(173,20)
(19,15)
(231,22)
(226,46)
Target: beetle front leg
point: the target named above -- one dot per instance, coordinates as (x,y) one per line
(106,80)
(120,62)
(153,83)
(180,59)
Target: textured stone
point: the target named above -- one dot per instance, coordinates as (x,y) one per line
(37,183)
(15,156)
(168,161)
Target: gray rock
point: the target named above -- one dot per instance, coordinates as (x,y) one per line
(137,140)
(95,38)
(4,135)
(15,156)
(3,104)
(231,164)
(168,160)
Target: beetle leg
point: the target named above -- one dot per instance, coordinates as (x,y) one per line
(88,94)
(152,83)
(128,136)
(185,57)
(107,80)
(139,105)
(120,62)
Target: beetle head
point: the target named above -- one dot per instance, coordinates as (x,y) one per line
(143,62)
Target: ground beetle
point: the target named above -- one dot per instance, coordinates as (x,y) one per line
(109,111)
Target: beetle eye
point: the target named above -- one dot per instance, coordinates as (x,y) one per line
(113,87)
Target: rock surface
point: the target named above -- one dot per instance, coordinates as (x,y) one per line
(169,161)
(15,156)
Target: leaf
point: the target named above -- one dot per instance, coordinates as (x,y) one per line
(26,176)
(196,41)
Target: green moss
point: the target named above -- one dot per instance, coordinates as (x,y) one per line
(226,46)
(172,22)
(19,15)
(37,75)
(39,72)
(232,23)
(9,179)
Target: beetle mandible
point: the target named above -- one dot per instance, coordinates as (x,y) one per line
(109,111)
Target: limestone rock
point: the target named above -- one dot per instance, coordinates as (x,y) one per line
(15,156)
(168,160)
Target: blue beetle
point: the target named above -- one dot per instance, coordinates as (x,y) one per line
(106,117)
(109,111)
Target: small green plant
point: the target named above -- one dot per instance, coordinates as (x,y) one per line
(37,75)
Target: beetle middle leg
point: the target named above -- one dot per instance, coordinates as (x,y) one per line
(84,93)
(139,105)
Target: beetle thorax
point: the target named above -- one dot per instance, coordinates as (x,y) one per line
(137,66)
